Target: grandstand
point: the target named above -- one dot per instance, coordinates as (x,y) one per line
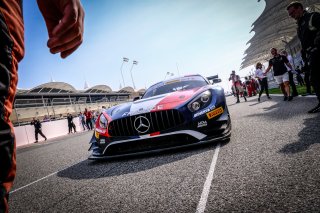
(54,100)
(274,28)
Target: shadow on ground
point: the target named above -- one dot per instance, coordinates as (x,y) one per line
(282,110)
(279,110)
(308,136)
(89,169)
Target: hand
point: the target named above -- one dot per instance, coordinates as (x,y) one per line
(65,24)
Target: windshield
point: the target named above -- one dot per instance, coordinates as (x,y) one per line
(175,85)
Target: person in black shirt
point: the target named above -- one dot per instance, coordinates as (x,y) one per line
(71,125)
(309,36)
(37,129)
(279,62)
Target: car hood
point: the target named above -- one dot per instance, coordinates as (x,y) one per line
(155,103)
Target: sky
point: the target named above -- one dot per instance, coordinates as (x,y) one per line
(206,37)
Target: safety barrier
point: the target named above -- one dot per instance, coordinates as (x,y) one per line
(25,134)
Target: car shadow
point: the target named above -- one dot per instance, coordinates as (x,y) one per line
(89,169)
(308,136)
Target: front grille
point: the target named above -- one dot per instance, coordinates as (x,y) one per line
(150,144)
(159,121)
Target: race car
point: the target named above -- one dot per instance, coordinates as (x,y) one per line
(174,113)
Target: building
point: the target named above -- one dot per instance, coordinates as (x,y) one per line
(54,100)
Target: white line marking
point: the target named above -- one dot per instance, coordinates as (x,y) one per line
(206,188)
(29,184)
(33,182)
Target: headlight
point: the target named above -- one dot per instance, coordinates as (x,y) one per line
(195,106)
(200,102)
(103,122)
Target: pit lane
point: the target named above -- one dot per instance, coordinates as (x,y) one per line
(270,164)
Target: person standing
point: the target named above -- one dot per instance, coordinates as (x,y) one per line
(253,85)
(309,36)
(88,115)
(71,125)
(237,86)
(279,63)
(248,84)
(263,80)
(294,91)
(82,121)
(37,129)
(64,20)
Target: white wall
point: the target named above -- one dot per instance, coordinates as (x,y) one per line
(25,134)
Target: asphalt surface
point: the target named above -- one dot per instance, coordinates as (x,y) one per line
(270,164)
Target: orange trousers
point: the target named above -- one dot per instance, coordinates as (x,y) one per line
(11,52)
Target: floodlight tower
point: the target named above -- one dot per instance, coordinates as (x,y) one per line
(133,63)
(124,59)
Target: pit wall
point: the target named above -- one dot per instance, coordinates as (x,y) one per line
(25,134)
(21,115)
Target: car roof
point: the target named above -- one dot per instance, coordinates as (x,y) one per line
(178,78)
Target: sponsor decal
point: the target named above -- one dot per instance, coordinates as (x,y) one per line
(201,112)
(202,124)
(96,133)
(215,113)
(126,114)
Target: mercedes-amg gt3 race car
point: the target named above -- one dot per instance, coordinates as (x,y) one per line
(174,113)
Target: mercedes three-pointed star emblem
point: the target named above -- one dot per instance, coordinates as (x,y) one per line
(141,124)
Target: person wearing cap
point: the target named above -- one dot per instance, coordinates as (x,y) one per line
(309,35)
(280,72)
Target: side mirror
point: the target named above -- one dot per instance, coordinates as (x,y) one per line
(136,98)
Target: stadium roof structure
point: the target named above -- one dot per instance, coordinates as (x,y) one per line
(99,89)
(53,87)
(126,90)
(274,28)
(63,88)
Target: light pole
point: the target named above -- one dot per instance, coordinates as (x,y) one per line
(123,60)
(133,63)
(168,73)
